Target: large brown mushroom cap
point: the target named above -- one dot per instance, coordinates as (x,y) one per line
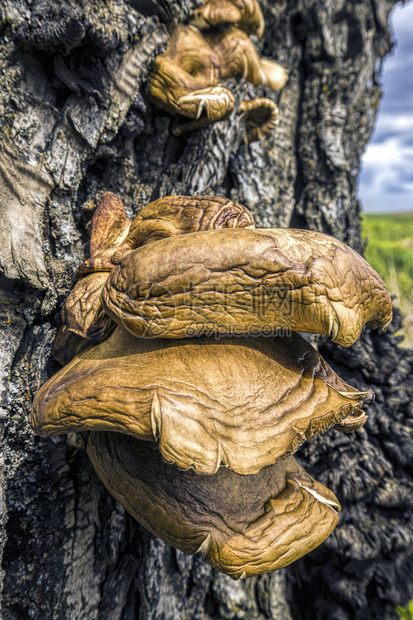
(242,525)
(242,402)
(243,281)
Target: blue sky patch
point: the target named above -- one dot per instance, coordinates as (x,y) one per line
(386,180)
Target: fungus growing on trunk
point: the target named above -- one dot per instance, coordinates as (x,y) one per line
(113,235)
(242,525)
(194,435)
(239,281)
(245,14)
(177,215)
(185,79)
(242,403)
(261,117)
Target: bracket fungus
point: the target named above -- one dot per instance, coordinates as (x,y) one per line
(195,435)
(242,403)
(240,280)
(261,117)
(242,525)
(113,235)
(185,79)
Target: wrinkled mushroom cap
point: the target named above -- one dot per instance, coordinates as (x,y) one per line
(187,72)
(241,280)
(168,217)
(242,525)
(113,236)
(244,403)
(177,215)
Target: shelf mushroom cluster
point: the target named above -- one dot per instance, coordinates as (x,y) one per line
(184,369)
(185,79)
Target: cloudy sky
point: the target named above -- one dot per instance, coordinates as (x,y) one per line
(386,181)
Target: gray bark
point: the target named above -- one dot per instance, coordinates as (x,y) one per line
(74,122)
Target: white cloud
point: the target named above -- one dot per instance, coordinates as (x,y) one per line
(391,123)
(386,181)
(402,19)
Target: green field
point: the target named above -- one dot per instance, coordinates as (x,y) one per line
(390,252)
(390,249)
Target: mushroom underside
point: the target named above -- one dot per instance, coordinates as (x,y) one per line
(242,525)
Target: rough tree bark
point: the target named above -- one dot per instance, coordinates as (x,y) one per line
(74,122)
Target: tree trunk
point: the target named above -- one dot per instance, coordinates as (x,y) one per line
(74,123)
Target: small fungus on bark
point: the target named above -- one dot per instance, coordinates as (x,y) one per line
(185,79)
(245,14)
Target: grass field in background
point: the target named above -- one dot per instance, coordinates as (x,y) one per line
(390,252)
